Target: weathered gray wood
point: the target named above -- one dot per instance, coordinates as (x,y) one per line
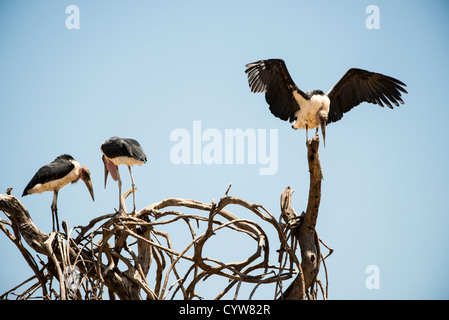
(304,226)
(97,255)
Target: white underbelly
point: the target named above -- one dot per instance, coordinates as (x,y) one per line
(128,161)
(55,184)
(306,116)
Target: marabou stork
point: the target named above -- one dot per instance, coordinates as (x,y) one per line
(118,151)
(53,176)
(314,108)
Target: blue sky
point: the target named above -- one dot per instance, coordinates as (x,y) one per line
(146,68)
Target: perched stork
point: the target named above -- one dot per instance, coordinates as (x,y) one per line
(118,151)
(53,176)
(314,109)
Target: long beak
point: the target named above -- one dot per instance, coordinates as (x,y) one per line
(105,171)
(88,183)
(323,131)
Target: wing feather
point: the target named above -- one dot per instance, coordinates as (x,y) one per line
(123,147)
(55,170)
(271,76)
(358,86)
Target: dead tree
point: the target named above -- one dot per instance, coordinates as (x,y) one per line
(129,256)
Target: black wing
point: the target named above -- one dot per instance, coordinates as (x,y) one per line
(123,147)
(59,168)
(358,86)
(272,77)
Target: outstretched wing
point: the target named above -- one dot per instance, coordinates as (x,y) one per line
(358,86)
(271,76)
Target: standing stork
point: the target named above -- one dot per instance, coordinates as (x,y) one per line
(314,109)
(117,151)
(53,176)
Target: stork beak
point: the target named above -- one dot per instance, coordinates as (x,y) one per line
(85,176)
(105,171)
(323,130)
(88,183)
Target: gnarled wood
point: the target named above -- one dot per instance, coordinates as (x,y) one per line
(130,257)
(304,226)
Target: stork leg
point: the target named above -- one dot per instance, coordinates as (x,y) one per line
(119,181)
(307,132)
(54,210)
(133,186)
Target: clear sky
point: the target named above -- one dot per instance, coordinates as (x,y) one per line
(158,70)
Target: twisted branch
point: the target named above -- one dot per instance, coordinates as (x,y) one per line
(132,257)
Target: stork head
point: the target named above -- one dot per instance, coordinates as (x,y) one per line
(85,176)
(109,166)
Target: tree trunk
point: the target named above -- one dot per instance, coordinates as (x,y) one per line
(304,226)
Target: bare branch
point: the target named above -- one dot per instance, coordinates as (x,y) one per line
(132,256)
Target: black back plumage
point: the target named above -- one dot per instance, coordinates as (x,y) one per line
(123,147)
(271,76)
(57,169)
